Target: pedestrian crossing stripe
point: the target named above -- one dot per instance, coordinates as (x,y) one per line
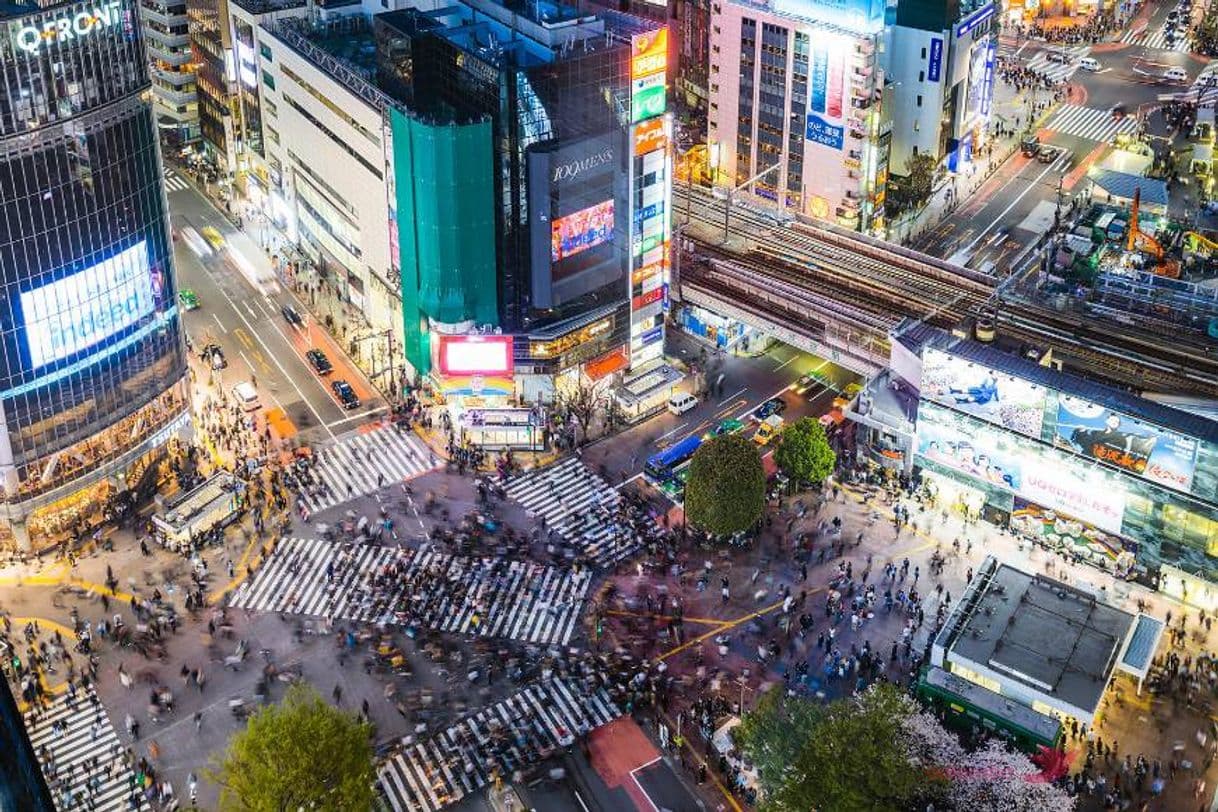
(1089,122)
(88,752)
(1158,40)
(428,775)
(351,466)
(174,183)
(1058,71)
(486,597)
(579,505)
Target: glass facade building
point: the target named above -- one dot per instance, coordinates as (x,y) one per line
(1121,482)
(92,362)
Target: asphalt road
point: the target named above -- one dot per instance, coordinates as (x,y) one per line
(1011,210)
(242,314)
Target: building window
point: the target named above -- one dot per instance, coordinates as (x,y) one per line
(269,80)
(266,52)
(923,53)
(921,76)
(919,100)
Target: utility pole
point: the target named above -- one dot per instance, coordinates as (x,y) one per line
(727,200)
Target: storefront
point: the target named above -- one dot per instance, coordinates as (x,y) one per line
(725,333)
(503,429)
(642,395)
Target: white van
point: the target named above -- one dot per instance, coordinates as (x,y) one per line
(246,395)
(1175,75)
(681,403)
(1089,63)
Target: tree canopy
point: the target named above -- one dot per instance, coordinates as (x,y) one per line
(803,452)
(300,753)
(918,183)
(725,490)
(879,751)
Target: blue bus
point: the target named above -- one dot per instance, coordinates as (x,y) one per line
(661,467)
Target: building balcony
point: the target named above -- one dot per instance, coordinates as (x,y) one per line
(157,14)
(170,55)
(176,78)
(174,97)
(165,41)
(866,47)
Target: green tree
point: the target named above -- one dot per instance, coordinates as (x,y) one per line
(853,755)
(725,490)
(803,452)
(298,754)
(918,183)
(773,735)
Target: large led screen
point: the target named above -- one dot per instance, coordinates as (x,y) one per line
(71,314)
(1099,433)
(1010,402)
(1023,466)
(475,355)
(584,229)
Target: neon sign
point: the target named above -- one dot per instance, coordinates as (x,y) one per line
(30,38)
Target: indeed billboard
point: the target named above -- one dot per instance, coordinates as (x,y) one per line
(74,313)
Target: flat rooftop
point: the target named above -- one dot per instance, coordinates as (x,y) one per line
(1040,632)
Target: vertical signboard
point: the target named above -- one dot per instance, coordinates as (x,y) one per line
(650,196)
(935,67)
(826,96)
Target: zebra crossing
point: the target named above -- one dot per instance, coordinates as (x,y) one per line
(362,462)
(1158,40)
(1089,122)
(1058,71)
(429,775)
(175,182)
(484,597)
(81,755)
(579,505)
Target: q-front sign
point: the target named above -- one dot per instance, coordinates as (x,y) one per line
(31,39)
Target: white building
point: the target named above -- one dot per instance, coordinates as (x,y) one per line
(327,171)
(940,63)
(796,88)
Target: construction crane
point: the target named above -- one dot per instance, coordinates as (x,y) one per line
(1137,239)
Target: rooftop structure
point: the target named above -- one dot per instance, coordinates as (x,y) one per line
(1034,639)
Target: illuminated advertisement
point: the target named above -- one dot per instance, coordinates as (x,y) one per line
(72,314)
(1022,466)
(582,230)
(475,355)
(1151,452)
(31,39)
(651,196)
(826,79)
(864,16)
(1010,402)
(978,60)
(648,65)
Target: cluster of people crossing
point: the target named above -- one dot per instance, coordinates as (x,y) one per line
(83,761)
(484,597)
(499,741)
(584,511)
(360,464)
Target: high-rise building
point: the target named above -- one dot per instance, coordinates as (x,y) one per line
(797,106)
(485,173)
(92,361)
(172,68)
(940,57)
(211,44)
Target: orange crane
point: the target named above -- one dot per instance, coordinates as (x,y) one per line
(1164,265)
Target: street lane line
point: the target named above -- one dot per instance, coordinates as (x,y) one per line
(784,363)
(674,431)
(1065,155)
(731,396)
(223,329)
(626,482)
